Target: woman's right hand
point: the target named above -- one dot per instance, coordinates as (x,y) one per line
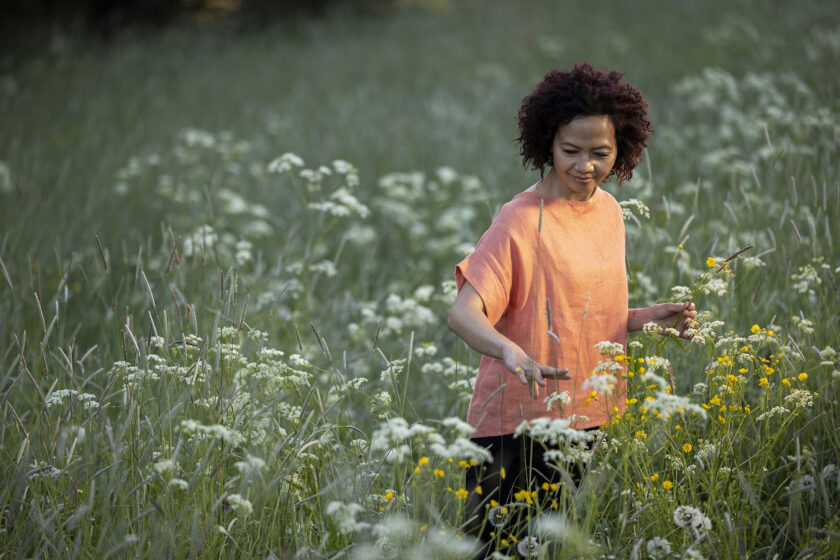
(468,319)
(524,368)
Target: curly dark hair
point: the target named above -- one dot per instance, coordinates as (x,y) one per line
(563,95)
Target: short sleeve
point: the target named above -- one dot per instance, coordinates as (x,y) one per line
(489,270)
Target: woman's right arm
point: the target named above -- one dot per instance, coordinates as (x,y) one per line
(468,319)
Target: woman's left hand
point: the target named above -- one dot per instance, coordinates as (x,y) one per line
(679,316)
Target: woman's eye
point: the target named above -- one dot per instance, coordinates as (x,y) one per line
(601,154)
(569,152)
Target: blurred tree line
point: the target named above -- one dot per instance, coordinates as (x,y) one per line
(22,21)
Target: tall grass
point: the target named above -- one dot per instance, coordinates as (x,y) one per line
(226,262)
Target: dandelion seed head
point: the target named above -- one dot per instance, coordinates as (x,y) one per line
(658,547)
(528,547)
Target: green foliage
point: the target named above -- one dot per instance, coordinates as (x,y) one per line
(223,299)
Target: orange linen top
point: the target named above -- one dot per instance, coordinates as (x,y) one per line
(569,258)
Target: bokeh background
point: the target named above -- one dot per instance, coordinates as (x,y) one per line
(145,196)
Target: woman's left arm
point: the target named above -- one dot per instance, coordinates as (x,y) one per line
(673,315)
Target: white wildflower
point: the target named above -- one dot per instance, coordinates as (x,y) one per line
(393,436)
(179,484)
(57,397)
(658,363)
(342,167)
(651,328)
(285,163)
(239,504)
(828,353)
(554,431)
(462,448)
(691,517)
(459,425)
(633,207)
(389,374)
(243,252)
(805,483)
(667,404)
(603,383)
(326,267)
(681,293)
(216,431)
(164,466)
(446,175)
(806,326)
(528,547)
(562,396)
(498,516)
(658,547)
(607,348)
(716,286)
(251,464)
(344,515)
(800,398)
(775,411)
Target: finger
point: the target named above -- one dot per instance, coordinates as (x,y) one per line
(538,377)
(555,373)
(520,373)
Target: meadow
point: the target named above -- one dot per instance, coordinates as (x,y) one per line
(226,262)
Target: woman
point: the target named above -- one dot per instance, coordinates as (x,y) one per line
(547,281)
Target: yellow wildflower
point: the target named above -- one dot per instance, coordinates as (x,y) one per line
(710,262)
(423,460)
(803,376)
(687,448)
(755,329)
(389,495)
(439,473)
(667,485)
(461,494)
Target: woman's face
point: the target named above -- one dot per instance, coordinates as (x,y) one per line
(583,152)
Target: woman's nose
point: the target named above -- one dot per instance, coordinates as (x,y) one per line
(584,164)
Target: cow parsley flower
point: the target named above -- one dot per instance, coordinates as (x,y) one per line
(607,348)
(251,464)
(344,515)
(285,163)
(164,466)
(562,396)
(632,207)
(179,484)
(603,383)
(239,504)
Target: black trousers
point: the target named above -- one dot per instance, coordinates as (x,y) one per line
(521,461)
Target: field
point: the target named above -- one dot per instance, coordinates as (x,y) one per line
(226,262)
